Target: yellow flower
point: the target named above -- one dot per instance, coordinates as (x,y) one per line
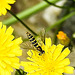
(52,62)
(9,50)
(63,38)
(4,4)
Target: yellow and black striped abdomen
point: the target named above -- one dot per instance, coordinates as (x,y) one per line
(34,42)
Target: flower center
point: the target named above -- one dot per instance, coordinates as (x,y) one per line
(50,67)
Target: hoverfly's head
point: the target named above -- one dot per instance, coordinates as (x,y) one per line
(40,49)
(41,52)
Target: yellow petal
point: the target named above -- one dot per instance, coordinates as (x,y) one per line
(63,54)
(9,31)
(59,70)
(11,1)
(5,5)
(9,50)
(48,42)
(69,69)
(18,41)
(54,73)
(31,66)
(57,51)
(63,63)
(29,53)
(0,25)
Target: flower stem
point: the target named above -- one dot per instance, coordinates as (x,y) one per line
(56,5)
(21,22)
(60,21)
(27,13)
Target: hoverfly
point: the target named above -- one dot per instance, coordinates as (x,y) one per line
(34,42)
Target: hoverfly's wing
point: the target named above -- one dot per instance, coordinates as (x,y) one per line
(27,45)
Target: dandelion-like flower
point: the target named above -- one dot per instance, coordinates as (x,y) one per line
(9,50)
(4,4)
(64,39)
(52,62)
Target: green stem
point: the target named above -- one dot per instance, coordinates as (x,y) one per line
(27,13)
(21,22)
(56,5)
(60,21)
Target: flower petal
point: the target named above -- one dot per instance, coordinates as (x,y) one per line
(57,51)
(4,4)
(48,42)
(63,54)
(68,69)
(63,63)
